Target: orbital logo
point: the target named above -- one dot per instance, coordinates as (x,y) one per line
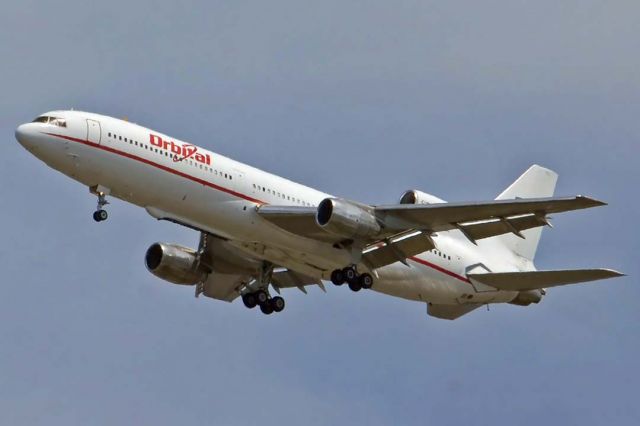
(180,152)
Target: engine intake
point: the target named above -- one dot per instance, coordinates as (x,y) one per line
(413,196)
(346,219)
(174,263)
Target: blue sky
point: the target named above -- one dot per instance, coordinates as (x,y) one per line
(359,99)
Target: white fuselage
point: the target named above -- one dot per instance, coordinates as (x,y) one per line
(218,195)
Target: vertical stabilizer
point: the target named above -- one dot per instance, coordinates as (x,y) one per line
(536,182)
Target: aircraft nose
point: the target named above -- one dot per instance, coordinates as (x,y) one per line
(22,134)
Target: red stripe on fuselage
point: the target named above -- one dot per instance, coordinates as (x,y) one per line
(222,189)
(159,166)
(440,269)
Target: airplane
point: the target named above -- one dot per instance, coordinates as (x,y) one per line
(261,233)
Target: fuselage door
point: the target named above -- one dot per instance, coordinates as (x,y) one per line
(94,131)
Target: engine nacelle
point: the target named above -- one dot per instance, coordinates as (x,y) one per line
(174,263)
(525,298)
(346,219)
(414,196)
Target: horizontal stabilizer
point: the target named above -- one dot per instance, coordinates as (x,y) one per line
(532,280)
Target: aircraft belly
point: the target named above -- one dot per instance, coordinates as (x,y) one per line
(425,284)
(416,283)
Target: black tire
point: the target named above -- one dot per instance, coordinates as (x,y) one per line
(96,217)
(277,303)
(350,274)
(366,280)
(250,300)
(266,308)
(355,286)
(102,214)
(337,277)
(262,297)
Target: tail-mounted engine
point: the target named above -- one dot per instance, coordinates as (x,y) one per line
(174,263)
(414,196)
(527,297)
(346,219)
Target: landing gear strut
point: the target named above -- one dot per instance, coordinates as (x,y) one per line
(100,214)
(350,276)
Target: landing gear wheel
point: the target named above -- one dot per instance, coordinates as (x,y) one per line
(365,280)
(266,308)
(337,277)
(100,215)
(277,303)
(262,297)
(350,274)
(250,300)
(355,285)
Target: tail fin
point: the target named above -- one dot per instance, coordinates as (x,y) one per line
(536,182)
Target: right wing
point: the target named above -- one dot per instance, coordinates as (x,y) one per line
(231,270)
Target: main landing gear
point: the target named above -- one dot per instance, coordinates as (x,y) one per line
(101,214)
(350,276)
(268,305)
(257,294)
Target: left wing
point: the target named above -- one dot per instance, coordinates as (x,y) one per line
(447,216)
(405,229)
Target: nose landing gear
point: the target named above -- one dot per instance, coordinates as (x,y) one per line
(100,214)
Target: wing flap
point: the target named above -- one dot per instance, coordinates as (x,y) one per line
(533,280)
(224,286)
(397,249)
(290,279)
(480,230)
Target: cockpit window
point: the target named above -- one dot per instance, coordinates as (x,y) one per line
(60,122)
(54,121)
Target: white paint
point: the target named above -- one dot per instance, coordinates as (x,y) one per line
(221,197)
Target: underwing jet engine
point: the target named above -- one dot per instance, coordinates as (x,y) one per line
(175,263)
